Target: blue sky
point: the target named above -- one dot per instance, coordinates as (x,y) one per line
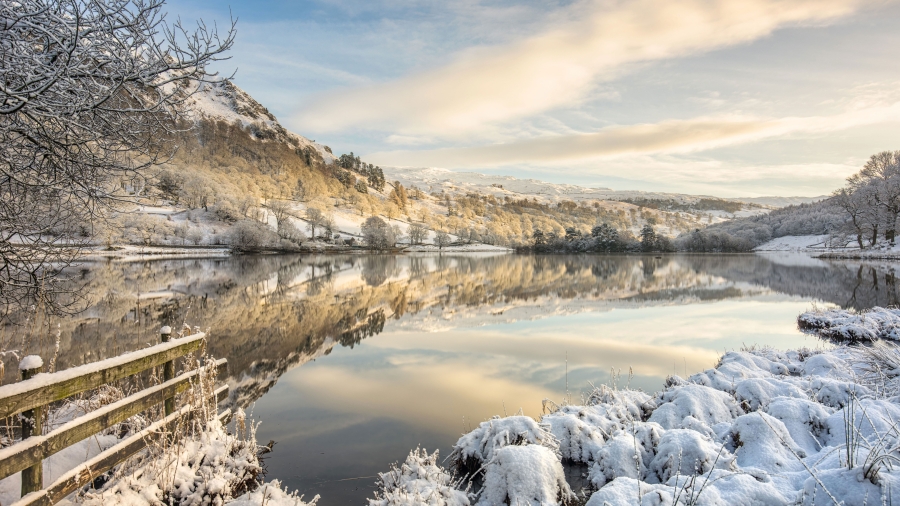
(722,97)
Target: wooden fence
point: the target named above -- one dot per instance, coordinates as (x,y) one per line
(36,391)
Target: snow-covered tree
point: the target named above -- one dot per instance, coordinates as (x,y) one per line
(91,92)
(378,234)
(417,233)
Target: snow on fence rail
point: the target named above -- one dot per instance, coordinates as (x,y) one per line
(37,390)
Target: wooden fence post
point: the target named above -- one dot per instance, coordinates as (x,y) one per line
(168,368)
(33,477)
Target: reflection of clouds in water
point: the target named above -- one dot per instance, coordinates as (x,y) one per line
(433,394)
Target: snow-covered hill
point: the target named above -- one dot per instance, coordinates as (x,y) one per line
(225,101)
(453,182)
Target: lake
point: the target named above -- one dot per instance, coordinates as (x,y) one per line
(351,361)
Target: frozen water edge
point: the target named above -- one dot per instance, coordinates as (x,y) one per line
(762,427)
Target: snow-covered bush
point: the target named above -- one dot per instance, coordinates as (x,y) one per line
(851,326)
(762,427)
(478,447)
(419,480)
(208,466)
(528,475)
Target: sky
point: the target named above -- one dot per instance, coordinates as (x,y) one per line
(717,97)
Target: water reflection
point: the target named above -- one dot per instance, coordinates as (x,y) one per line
(459,337)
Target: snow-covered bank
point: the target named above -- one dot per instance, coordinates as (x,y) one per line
(852,326)
(807,243)
(131,252)
(461,248)
(762,427)
(826,247)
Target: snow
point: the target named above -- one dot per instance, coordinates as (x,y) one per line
(529,475)
(762,427)
(419,480)
(31,362)
(271,494)
(205,468)
(795,243)
(479,445)
(43,380)
(461,248)
(225,101)
(847,325)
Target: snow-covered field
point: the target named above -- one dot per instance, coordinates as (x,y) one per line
(762,427)
(795,243)
(819,245)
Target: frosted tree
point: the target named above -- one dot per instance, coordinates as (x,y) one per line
(377,234)
(91,92)
(441,239)
(314,219)
(881,176)
(417,233)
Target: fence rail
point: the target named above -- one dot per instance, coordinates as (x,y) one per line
(36,391)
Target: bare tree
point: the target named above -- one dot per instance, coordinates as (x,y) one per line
(91,92)
(281,210)
(441,239)
(881,173)
(417,233)
(314,218)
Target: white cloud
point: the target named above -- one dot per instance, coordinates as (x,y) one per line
(559,66)
(673,136)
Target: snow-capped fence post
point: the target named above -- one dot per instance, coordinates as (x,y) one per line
(168,368)
(32,477)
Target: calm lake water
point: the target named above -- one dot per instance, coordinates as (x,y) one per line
(351,361)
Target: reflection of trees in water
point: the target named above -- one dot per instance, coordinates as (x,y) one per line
(370,325)
(376,269)
(269,313)
(847,284)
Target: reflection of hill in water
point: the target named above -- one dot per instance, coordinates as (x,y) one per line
(268,314)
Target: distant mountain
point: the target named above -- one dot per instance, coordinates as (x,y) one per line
(779,202)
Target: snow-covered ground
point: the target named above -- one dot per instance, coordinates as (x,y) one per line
(461,248)
(823,247)
(795,243)
(763,427)
(129,251)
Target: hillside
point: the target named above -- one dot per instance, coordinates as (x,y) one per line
(238,170)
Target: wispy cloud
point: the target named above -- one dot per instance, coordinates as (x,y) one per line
(561,65)
(674,136)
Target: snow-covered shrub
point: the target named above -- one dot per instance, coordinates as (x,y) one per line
(419,480)
(804,420)
(578,440)
(706,404)
(850,326)
(756,393)
(478,446)
(627,453)
(762,427)
(762,441)
(684,452)
(271,494)
(207,467)
(528,475)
